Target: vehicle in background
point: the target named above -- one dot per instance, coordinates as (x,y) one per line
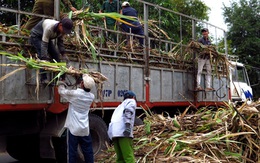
(240,87)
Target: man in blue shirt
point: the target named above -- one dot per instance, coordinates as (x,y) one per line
(204,59)
(137,27)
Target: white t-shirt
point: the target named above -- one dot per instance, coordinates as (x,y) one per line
(77,120)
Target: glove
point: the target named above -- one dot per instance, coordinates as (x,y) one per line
(127,131)
(61,83)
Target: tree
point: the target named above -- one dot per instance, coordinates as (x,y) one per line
(242,19)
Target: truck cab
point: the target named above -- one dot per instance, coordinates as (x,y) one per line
(240,87)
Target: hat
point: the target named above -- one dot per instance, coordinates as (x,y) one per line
(204,30)
(124,4)
(129,94)
(67,25)
(88,81)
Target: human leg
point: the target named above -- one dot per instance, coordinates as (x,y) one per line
(208,76)
(111,35)
(139,31)
(126,146)
(119,155)
(36,42)
(201,63)
(48,8)
(37,9)
(86,147)
(72,148)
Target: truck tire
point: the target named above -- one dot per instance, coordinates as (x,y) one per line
(24,148)
(98,130)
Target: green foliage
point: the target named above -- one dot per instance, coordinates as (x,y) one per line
(242,19)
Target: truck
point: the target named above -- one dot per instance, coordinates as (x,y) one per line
(32,128)
(240,87)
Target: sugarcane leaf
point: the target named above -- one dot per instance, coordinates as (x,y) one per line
(70,14)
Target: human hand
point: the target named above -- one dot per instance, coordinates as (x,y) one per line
(127,132)
(73,9)
(59,83)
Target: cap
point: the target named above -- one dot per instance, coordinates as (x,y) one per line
(204,30)
(129,94)
(67,25)
(125,4)
(88,81)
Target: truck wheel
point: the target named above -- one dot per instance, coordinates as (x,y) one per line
(24,148)
(98,131)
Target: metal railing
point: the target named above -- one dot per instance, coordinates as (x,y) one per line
(150,42)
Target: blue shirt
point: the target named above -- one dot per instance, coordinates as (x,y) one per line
(129,11)
(204,41)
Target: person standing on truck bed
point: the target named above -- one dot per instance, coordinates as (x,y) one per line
(204,59)
(44,7)
(77,121)
(120,129)
(137,27)
(108,7)
(41,38)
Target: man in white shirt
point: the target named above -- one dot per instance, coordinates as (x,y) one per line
(77,121)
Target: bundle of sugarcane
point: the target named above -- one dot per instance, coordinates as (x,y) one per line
(219,61)
(37,64)
(220,135)
(201,49)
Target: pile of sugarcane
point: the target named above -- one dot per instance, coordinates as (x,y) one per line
(225,134)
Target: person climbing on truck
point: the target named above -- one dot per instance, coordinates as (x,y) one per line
(41,38)
(77,121)
(44,7)
(109,23)
(204,59)
(137,27)
(120,129)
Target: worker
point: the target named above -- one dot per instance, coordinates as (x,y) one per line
(44,7)
(77,121)
(204,59)
(137,27)
(110,6)
(120,129)
(41,38)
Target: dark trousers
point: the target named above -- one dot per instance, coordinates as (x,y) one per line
(42,8)
(54,54)
(85,143)
(135,30)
